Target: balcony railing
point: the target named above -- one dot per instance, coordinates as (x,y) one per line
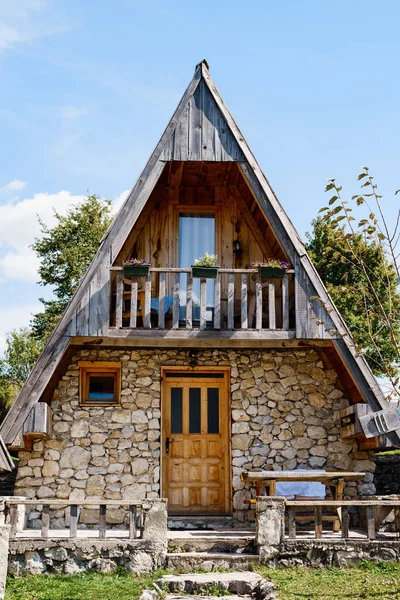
(169,298)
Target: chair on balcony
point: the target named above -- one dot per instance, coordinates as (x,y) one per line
(154,305)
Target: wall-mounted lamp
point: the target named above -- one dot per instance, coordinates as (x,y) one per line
(193,358)
(236,247)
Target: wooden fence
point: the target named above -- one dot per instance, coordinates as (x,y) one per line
(342,508)
(13,516)
(258,309)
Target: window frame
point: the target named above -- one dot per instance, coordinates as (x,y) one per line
(88,368)
(194,209)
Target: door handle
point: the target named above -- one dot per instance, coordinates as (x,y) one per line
(167,443)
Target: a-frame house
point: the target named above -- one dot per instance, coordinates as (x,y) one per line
(168,385)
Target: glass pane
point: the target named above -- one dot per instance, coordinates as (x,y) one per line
(189,375)
(176,410)
(101,387)
(194,410)
(213,410)
(196,237)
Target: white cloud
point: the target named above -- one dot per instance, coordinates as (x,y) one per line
(22,21)
(118,202)
(13,186)
(14,317)
(71,112)
(19,227)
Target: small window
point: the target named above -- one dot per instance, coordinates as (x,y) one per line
(100,383)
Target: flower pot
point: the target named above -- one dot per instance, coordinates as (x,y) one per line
(136,271)
(207,272)
(271,272)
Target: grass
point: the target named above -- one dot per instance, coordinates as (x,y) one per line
(372,581)
(388,453)
(82,586)
(369,581)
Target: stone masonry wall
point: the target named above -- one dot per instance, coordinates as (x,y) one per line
(284,406)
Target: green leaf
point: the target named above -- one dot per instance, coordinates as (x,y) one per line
(362,175)
(340,218)
(332,200)
(337,209)
(330,186)
(323,209)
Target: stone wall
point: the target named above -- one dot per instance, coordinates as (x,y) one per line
(284,406)
(34,557)
(330,553)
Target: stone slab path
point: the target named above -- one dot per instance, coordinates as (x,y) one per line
(237,582)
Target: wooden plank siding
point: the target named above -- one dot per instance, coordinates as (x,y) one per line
(202,132)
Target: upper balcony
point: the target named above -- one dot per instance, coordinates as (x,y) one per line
(237,304)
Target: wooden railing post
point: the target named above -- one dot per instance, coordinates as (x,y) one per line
(102,521)
(318,522)
(271,304)
(45,521)
(243,302)
(132,521)
(258,303)
(231,301)
(203,303)
(292,522)
(161,302)
(73,521)
(217,302)
(345,522)
(285,302)
(371,522)
(175,308)
(119,300)
(147,302)
(189,301)
(134,305)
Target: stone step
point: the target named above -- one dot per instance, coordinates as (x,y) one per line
(236,582)
(213,544)
(201,522)
(210,561)
(197,597)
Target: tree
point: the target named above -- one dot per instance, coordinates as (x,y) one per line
(349,289)
(8,393)
(22,351)
(358,261)
(66,251)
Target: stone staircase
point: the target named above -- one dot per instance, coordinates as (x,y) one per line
(201,586)
(210,544)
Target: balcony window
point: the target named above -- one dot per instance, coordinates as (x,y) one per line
(196,237)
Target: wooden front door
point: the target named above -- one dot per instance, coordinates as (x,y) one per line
(196,457)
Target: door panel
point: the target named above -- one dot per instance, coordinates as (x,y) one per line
(196,460)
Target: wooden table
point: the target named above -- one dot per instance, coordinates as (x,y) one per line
(265,482)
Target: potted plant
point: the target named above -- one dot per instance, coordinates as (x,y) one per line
(136,267)
(272,268)
(205,266)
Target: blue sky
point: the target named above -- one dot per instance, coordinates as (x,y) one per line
(86,89)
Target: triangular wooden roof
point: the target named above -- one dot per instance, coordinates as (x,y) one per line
(201,128)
